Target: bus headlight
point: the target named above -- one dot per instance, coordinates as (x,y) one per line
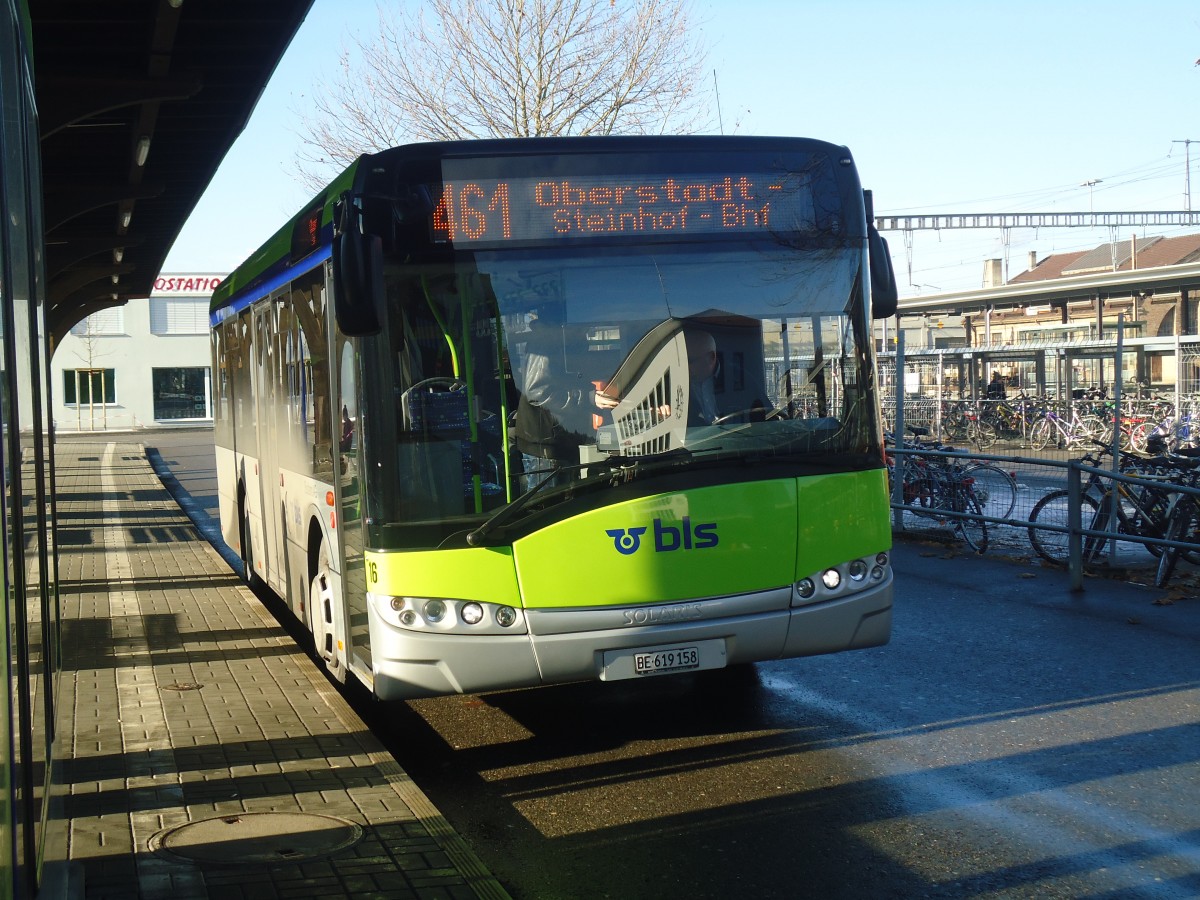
(842,580)
(437,615)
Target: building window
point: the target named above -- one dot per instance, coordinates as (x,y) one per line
(181,393)
(82,387)
(179,315)
(105,323)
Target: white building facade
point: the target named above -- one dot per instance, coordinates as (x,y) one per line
(146,364)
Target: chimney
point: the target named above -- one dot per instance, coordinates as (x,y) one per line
(1133,251)
(1032,260)
(993,272)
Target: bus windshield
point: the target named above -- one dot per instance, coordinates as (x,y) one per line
(552,369)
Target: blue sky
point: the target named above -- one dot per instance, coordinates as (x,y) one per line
(946,106)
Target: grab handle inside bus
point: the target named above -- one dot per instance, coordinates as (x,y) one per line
(357,275)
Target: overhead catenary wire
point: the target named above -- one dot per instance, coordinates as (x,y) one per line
(955,259)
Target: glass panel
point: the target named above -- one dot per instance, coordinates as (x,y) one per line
(33,601)
(353,571)
(13,816)
(672,360)
(237,335)
(306,357)
(180,393)
(222,426)
(89,386)
(106,322)
(178,315)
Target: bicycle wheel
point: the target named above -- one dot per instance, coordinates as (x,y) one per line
(1039,437)
(1180,527)
(982,434)
(1144,512)
(918,483)
(1052,546)
(1106,433)
(1097,425)
(995,489)
(1139,436)
(971,529)
(954,428)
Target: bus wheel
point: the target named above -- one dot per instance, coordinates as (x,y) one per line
(320,614)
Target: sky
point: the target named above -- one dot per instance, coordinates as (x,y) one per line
(947,107)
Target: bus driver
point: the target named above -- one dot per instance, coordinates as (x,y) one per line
(554,415)
(702,367)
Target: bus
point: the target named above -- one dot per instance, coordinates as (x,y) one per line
(506,413)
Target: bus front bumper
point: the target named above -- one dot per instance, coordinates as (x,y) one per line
(567,645)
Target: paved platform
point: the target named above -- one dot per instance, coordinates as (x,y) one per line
(210,757)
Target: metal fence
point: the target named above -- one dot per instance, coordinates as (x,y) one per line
(1061,402)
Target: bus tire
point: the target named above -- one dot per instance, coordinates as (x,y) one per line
(246,551)
(321,611)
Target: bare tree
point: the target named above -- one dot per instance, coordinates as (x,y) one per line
(510,68)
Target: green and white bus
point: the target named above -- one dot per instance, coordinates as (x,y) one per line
(497,414)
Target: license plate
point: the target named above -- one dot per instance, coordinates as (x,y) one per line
(674,660)
(639,662)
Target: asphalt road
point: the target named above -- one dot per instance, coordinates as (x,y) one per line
(1014,740)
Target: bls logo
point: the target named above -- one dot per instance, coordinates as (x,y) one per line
(666,537)
(627,542)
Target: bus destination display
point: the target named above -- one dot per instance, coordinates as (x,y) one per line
(495,211)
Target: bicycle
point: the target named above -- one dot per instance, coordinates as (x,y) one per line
(1182,529)
(1134,425)
(961,423)
(1009,419)
(995,488)
(935,486)
(1142,510)
(1075,431)
(1178,431)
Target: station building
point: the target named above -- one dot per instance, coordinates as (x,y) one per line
(1066,297)
(1054,327)
(141,365)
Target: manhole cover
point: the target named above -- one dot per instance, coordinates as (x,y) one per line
(257,838)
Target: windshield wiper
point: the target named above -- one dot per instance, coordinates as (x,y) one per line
(622,470)
(509,511)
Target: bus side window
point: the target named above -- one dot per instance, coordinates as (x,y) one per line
(348,391)
(308,305)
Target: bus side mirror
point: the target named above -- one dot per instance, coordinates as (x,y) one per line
(885,294)
(358,297)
